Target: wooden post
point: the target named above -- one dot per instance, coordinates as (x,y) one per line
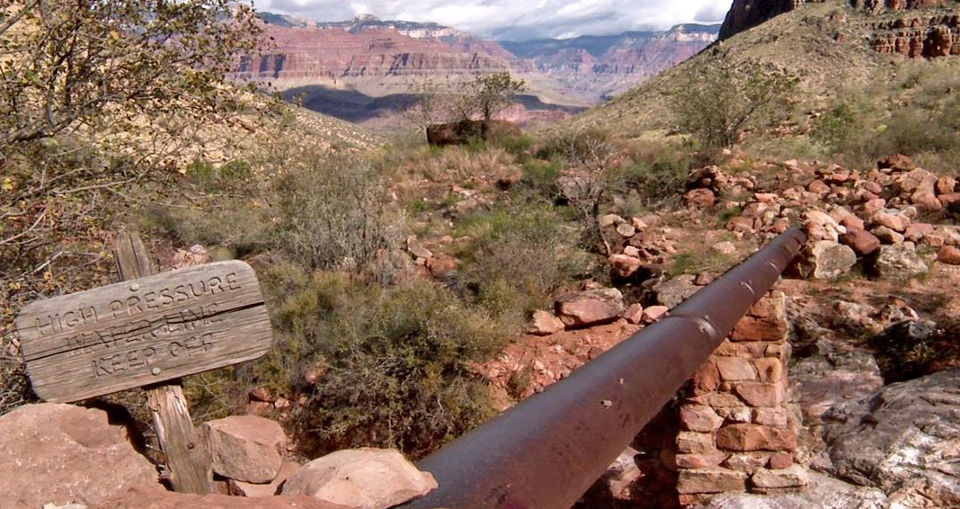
(188,461)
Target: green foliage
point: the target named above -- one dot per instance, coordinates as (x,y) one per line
(520,256)
(393,360)
(723,101)
(541,177)
(517,144)
(658,176)
(335,213)
(700,261)
(76,63)
(486,96)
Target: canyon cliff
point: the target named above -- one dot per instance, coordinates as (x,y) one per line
(382,58)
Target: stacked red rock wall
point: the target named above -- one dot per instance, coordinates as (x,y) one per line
(738,432)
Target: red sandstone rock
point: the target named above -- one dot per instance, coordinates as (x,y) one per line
(654,313)
(896,162)
(780,460)
(819,187)
(896,222)
(245,447)
(700,460)
(769,368)
(761,393)
(946,184)
(544,323)
(706,379)
(747,461)
(623,265)
(633,313)
(699,418)
(736,369)
(754,437)
(862,242)
(917,231)
(61,454)
(949,255)
(580,309)
(361,478)
(700,198)
(246,489)
(139,498)
(776,417)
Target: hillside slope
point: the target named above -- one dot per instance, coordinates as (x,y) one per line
(825,45)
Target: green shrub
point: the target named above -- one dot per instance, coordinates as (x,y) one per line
(517,144)
(520,256)
(724,100)
(335,213)
(395,360)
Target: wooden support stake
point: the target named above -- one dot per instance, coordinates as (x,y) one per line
(188,461)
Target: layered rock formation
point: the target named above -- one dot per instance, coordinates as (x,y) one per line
(384,57)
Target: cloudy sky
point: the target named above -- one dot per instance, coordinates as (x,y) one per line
(516,19)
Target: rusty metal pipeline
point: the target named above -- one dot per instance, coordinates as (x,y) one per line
(545,452)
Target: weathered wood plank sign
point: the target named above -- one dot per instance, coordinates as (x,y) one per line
(143,331)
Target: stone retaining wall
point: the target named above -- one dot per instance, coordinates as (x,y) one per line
(738,430)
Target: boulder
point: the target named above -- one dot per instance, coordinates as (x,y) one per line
(904,439)
(61,454)
(862,242)
(826,259)
(361,479)
(653,314)
(544,323)
(898,261)
(633,313)
(949,255)
(673,291)
(700,198)
(895,220)
(591,307)
(625,265)
(245,447)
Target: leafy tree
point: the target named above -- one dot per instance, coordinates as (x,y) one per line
(72,63)
(725,99)
(486,96)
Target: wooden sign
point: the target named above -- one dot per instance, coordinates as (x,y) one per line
(143,331)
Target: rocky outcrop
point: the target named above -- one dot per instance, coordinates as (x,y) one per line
(744,14)
(904,439)
(926,36)
(62,454)
(361,479)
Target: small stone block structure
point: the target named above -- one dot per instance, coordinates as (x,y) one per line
(737,430)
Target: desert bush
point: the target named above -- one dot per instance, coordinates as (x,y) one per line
(658,176)
(336,213)
(520,256)
(394,360)
(723,100)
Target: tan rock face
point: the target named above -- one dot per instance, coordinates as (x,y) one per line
(245,448)
(361,479)
(60,454)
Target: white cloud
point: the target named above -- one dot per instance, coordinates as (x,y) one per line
(518,19)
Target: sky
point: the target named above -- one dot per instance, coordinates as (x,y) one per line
(516,19)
